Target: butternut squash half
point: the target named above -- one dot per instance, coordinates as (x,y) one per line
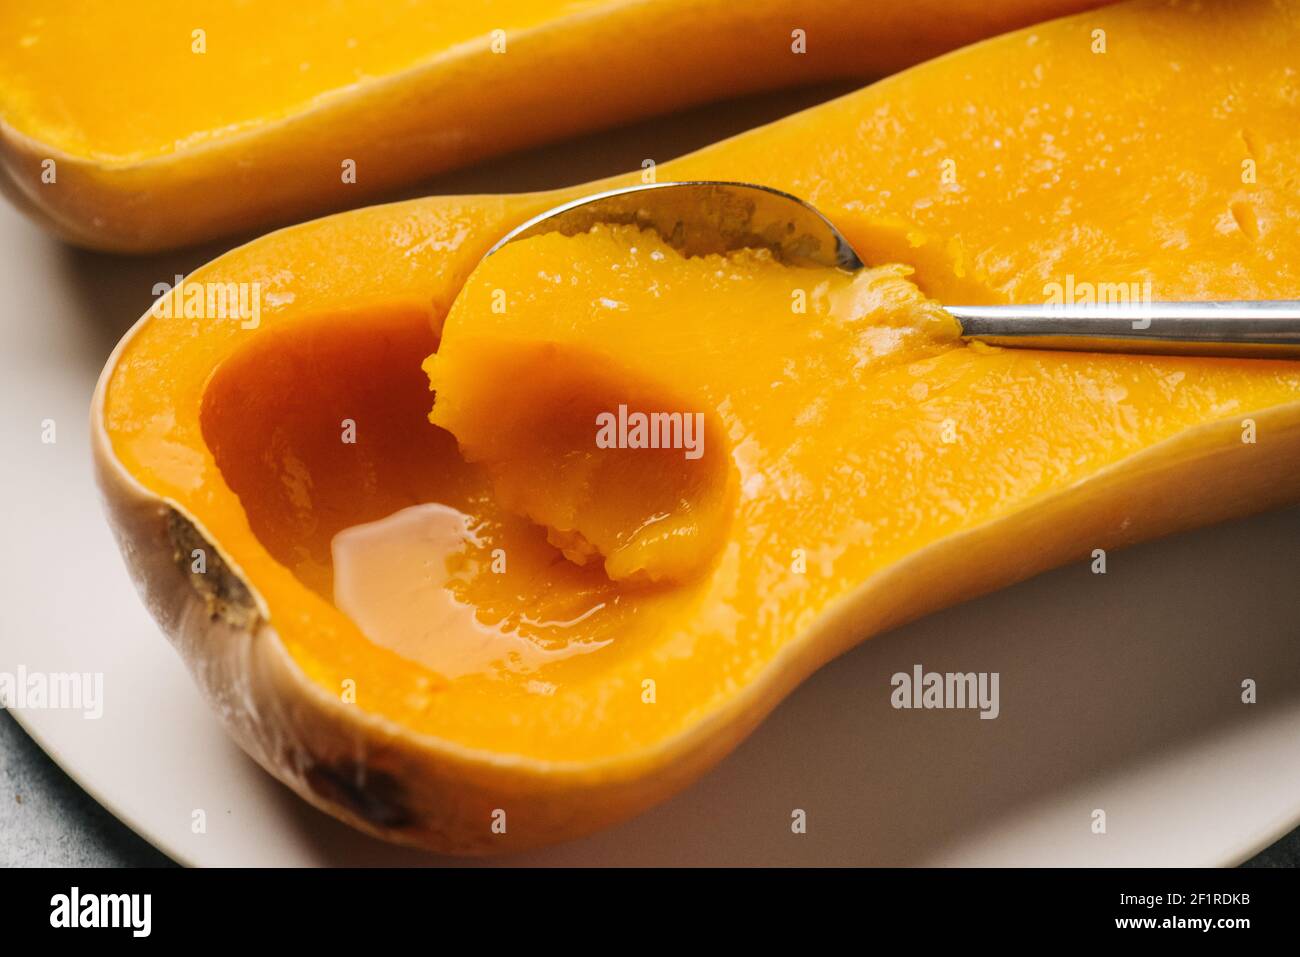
(147,124)
(243,452)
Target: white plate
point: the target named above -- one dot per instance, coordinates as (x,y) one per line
(1118,692)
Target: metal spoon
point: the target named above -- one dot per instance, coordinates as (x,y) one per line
(705,216)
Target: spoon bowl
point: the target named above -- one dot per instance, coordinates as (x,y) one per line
(701,217)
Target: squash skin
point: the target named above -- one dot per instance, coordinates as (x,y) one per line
(428,792)
(648,56)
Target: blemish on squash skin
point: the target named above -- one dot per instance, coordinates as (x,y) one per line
(225,596)
(374,796)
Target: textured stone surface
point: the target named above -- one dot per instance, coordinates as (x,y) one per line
(46,820)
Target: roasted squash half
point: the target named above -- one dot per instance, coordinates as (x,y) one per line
(1149,143)
(148,124)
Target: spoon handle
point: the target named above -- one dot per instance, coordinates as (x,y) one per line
(1267,328)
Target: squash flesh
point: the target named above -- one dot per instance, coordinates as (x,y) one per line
(524,386)
(1029,423)
(1053,158)
(860,431)
(64,78)
(125,82)
(297,108)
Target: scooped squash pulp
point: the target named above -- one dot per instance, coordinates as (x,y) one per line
(858,428)
(871,468)
(603,379)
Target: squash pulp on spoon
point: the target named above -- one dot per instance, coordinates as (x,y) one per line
(627,397)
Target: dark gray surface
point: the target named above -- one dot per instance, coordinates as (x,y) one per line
(47,821)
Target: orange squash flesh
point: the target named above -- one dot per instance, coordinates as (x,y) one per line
(172,123)
(860,430)
(617,325)
(1064,174)
(228,66)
